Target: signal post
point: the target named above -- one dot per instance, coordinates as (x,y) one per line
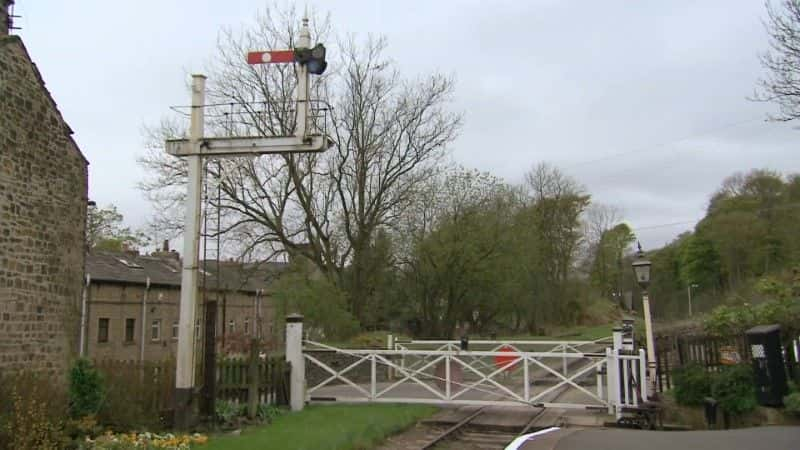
(194,149)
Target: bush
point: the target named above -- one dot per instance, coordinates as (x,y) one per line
(135,395)
(86,390)
(267,412)
(692,385)
(31,408)
(734,389)
(226,411)
(792,403)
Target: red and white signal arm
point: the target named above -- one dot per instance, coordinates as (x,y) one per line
(271,57)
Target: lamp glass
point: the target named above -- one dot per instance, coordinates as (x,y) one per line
(641,269)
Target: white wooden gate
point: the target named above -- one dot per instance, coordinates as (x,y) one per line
(562,374)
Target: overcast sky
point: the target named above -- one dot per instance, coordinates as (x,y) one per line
(643,102)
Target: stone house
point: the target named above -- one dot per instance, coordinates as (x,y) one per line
(133,304)
(43,195)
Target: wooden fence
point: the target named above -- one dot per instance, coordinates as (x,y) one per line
(147,389)
(709,352)
(137,393)
(678,351)
(233,380)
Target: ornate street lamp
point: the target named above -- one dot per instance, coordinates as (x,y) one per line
(641,270)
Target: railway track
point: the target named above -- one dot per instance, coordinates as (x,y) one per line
(471,433)
(464,435)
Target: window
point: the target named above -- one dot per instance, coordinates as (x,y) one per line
(102,329)
(175,329)
(197,329)
(246,326)
(130,329)
(155,330)
(231,326)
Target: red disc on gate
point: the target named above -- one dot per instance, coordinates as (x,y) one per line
(503,360)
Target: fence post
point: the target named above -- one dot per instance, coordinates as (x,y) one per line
(373,377)
(612,385)
(252,380)
(294,355)
(390,346)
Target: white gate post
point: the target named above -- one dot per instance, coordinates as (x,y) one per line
(294,355)
(643,374)
(612,388)
(616,336)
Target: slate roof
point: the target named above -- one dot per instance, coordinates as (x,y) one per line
(165,270)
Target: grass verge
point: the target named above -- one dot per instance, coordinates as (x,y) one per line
(327,427)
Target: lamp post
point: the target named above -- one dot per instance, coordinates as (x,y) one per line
(641,269)
(689,290)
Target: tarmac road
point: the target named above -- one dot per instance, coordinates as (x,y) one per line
(763,438)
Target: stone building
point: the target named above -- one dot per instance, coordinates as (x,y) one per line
(43,195)
(133,304)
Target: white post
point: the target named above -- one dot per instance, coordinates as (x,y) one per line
(304,41)
(526,375)
(616,336)
(390,346)
(294,355)
(84,301)
(651,346)
(144,319)
(447,376)
(612,385)
(642,374)
(373,378)
(184,374)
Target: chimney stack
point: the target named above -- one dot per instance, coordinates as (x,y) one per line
(165,247)
(5,17)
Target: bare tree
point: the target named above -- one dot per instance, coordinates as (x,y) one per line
(782,85)
(597,220)
(389,134)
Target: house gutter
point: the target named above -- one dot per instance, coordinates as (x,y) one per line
(84,301)
(144,319)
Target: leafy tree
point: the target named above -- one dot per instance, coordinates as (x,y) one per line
(550,229)
(324,306)
(608,259)
(459,263)
(699,262)
(105,230)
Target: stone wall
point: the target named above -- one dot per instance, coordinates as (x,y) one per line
(119,302)
(43,194)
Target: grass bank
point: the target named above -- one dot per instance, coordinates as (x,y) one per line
(326,427)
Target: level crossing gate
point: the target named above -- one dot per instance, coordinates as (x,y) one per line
(559,374)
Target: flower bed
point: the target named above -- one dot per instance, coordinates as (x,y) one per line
(146,440)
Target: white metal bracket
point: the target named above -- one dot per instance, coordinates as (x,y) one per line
(248,146)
